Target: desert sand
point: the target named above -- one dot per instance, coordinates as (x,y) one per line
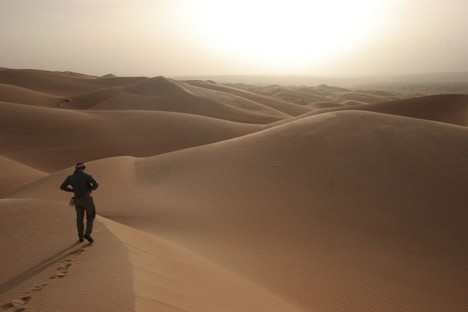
(231,197)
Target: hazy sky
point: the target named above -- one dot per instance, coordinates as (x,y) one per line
(216,37)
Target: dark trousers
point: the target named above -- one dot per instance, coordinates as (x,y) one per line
(85,206)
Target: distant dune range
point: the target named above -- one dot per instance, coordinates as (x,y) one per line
(446,108)
(214,198)
(52,139)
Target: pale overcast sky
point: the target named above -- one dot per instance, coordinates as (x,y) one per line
(216,37)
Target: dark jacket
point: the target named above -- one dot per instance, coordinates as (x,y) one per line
(81,184)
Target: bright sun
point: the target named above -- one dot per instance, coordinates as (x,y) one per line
(284,34)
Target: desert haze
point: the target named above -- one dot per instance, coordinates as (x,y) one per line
(232,196)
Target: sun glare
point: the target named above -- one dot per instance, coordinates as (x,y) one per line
(284,34)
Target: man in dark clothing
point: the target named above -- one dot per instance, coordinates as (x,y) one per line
(82,184)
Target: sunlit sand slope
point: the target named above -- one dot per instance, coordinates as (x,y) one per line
(335,212)
(170,278)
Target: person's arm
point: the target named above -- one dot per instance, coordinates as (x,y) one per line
(93,183)
(65,185)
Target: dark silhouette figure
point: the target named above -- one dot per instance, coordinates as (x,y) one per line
(82,184)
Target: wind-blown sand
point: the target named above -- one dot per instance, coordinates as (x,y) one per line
(282,208)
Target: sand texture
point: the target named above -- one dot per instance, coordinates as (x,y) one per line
(232,198)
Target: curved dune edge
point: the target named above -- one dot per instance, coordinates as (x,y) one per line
(170,278)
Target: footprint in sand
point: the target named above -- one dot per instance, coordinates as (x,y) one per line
(62,271)
(59,274)
(79,251)
(39,287)
(17,303)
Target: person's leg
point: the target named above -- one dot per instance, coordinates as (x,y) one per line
(90,216)
(80,212)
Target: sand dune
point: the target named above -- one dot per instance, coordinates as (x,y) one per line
(322,105)
(287,108)
(323,93)
(364,98)
(449,108)
(44,270)
(15,175)
(14,94)
(156,86)
(59,83)
(183,279)
(161,94)
(53,83)
(446,108)
(51,140)
(331,213)
(356,208)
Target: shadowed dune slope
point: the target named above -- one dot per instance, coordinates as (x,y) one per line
(53,139)
(447,108)
(345,211)
(13,175)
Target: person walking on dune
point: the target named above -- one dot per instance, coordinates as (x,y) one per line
(82,184)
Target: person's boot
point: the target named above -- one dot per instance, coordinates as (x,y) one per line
(89,238)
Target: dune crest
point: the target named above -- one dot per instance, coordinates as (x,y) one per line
(156,86)
(165,277)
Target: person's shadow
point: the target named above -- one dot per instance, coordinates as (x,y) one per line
(25,275)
